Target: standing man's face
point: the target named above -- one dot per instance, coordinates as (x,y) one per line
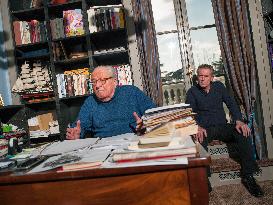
(204,77)
(103,84)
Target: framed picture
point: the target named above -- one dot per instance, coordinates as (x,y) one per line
(1,101)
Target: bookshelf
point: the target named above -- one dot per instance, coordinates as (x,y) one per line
(69,39)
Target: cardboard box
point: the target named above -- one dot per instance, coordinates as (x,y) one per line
(44,120)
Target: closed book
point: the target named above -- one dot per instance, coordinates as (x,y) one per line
(17,32)
(149,155)
(157,139)
(153,144)
(79,166)
(92,20)
(121,18)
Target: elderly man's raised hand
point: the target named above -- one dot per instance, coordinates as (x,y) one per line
(139,123)
(74,133)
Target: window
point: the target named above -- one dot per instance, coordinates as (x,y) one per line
(169,51)
(203,40)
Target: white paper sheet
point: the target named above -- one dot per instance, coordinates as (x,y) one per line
(68,146)
(93,155)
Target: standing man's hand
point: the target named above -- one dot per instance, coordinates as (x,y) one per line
(242,128)
(74,133)
(201,133)
(139,122)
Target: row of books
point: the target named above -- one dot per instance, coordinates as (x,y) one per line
(73,85)
(57,28)
(59,51)
(71,24)
(77,82)
(124,74)
(105,18)
(26,32)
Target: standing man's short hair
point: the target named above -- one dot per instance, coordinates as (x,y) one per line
(207,66)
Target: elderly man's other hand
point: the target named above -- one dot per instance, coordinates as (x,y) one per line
(201,133)
(242,128)
(74,133)
(139,123)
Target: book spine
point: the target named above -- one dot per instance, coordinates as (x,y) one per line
(17,32)
(150,158)
(121,18)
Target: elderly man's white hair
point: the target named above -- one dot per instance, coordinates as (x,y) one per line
(112,71)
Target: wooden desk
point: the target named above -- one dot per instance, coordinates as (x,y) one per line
(151,185)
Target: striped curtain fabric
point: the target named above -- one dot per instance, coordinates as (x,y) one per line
(147,45)
(234,34)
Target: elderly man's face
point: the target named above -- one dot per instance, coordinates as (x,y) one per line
(103,85)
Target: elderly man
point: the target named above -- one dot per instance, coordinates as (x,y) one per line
(206,99)
(111,110)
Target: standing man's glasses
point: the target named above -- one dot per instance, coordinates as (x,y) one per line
(102,81)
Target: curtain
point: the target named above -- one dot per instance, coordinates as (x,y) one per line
(234,34)
(147,46)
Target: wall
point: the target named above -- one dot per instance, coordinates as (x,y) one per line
(263,72)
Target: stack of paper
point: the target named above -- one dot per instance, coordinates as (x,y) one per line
(179,146)
(162,122)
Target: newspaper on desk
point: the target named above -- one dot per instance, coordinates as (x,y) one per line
(82,150)
(93,150)
(116,142)
(87,155)
(65,146)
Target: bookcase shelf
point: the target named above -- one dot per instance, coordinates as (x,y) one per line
(6,109)
(73,97)
(67,56)
(72,61)
(41,102)
(33,13)
(102,2)
(112,58)
(32,46)
(43,57)
(77,37)
(57,10)
(68,4)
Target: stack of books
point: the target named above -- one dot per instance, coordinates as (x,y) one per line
(167,136)
(178,147)
(163,123)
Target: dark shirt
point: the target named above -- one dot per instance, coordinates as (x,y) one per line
(209,106)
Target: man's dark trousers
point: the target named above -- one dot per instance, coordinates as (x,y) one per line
(227,133)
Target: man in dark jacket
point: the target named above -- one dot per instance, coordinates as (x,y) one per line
(206,99)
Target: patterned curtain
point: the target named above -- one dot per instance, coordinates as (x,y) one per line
(146,41)
(234,34)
